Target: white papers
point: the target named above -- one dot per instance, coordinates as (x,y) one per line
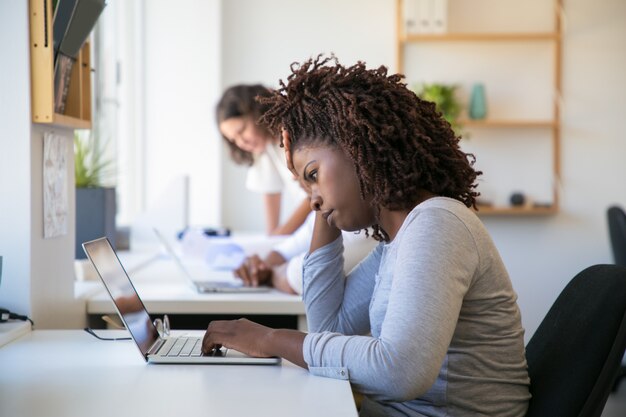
(217,252)
(55,205)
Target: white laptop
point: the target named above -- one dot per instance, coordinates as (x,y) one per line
(153,347)
(218,281)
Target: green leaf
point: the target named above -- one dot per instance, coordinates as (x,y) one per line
(443,95)
(90,167)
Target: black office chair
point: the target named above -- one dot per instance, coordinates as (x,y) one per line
(575,354)
(617,231)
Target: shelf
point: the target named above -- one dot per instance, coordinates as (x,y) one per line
(490,123)
(77,113)
(549,39)
(69,121)
(463,37)
(517,211)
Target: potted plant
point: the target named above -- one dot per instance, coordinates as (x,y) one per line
(443,95)
(95,196)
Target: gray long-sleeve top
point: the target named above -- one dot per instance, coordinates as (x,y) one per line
(426,325)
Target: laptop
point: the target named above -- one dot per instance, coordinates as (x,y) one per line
(220,281)
(153,347)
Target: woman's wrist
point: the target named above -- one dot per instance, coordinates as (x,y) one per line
(323,233)
(286,344)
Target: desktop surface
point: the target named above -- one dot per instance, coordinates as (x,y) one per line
(70,373)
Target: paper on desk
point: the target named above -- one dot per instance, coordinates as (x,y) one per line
(217,252)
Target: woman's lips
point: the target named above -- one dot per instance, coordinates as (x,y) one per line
(326,216)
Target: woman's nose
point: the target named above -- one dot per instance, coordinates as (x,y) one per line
(316,201)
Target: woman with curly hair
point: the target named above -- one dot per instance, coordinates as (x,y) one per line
(428,323)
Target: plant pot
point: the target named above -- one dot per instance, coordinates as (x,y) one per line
(95,216)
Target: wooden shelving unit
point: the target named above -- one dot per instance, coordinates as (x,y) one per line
(77,114)
(517,211)
(553,124)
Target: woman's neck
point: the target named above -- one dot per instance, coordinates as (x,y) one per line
(391,220)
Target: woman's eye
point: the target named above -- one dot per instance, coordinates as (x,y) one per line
(313,175)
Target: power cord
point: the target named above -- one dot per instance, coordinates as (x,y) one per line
(6,315)
(91,332)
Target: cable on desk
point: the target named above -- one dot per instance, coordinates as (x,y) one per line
(110,339)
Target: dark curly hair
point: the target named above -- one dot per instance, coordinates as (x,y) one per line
(240,101)
(399,143)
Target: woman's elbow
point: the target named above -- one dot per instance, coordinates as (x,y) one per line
(400,385)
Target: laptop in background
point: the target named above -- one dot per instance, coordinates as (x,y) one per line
(130,308)
(217,281)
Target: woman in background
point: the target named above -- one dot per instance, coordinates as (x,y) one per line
(251,144)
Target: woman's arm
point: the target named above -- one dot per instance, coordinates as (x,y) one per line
(255,340)
(420,285)
(334,302)
(296,219)
(272,211)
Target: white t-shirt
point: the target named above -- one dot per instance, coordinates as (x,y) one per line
(269,174)
(296,246)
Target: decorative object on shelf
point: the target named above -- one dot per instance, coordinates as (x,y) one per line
(444,97)
(478,102)
(517,199)
(95,197)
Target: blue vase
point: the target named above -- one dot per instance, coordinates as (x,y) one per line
(478,102)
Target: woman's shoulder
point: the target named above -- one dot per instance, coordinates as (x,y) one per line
(442,208)
(443,215)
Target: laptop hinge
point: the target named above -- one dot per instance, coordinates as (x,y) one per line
(155,346)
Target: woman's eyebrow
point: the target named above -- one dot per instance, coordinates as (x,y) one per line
(306,166)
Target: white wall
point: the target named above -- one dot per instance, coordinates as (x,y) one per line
(15,174)
(181,85)
(261,38)
(38,273)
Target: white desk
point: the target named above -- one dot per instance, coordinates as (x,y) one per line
(68,373)
(12,330)
(164,291)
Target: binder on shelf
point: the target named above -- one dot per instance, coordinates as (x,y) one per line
(425,16)
(83,18)
(411,17)
(73,21)
(61,18)
(424,11)
(439,14)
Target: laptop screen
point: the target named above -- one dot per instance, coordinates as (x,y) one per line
(127,302)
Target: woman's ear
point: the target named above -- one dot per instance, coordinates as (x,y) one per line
(287,146)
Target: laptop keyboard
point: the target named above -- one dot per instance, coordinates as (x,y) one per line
(182,346)
(185,347)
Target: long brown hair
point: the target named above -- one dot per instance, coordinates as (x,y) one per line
(240,101)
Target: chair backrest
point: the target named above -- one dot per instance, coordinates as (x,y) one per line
(576,352)
(617,231)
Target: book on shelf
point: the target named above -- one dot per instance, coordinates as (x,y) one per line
(62,75)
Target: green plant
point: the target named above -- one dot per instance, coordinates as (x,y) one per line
(91,169)
(443,95)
